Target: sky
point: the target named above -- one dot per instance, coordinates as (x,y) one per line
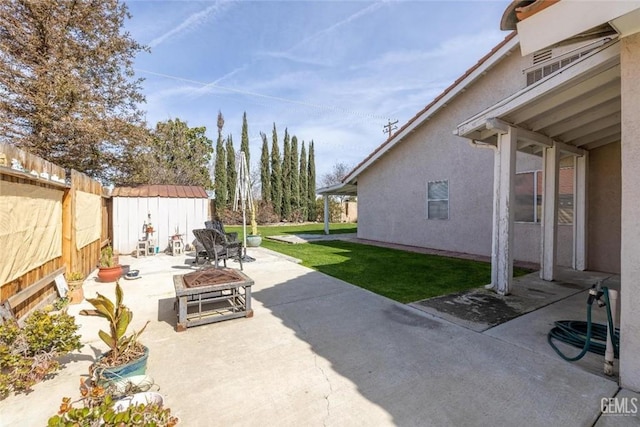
(335,72)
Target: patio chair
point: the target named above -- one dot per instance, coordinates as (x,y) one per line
(218,247)
(218,225)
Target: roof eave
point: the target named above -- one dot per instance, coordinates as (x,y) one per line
(502,50)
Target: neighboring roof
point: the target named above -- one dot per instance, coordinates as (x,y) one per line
(172,191)
(495,55)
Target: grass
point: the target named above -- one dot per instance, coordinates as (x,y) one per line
(396,274)
(271,230)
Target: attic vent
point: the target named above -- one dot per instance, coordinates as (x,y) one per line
(545,63)
(541,56)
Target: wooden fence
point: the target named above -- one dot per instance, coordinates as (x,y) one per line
(22,294)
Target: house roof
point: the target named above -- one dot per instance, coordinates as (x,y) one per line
(169,191)
(494,56)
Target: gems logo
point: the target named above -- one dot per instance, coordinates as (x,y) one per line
(621,406)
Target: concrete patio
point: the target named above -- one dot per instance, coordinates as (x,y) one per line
(320,351)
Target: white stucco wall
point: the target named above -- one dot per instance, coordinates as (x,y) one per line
(392,191)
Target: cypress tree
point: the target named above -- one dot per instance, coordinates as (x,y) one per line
(265,170)
(220,172)
(311,184)
(276,174)
(304,209)
(286,178)
(232,174)
(295,179)
(244,142)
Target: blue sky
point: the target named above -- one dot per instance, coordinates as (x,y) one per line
(330,71)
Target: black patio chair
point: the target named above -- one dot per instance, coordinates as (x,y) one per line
(217,247)
(218,225)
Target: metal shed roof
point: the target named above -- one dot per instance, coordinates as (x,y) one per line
(169,191)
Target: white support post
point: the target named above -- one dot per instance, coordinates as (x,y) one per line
(503,198)
(580,222)
(549,238)
(326,214)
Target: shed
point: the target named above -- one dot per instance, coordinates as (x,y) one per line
(173,209)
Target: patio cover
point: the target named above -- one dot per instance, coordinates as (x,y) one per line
(341,189)
(570,112)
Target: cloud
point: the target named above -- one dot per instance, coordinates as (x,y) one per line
(311,57)
(192,22)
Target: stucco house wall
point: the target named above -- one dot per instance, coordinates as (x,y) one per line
(604,210)
(392,192)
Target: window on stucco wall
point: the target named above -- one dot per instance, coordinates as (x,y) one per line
(438,199)
(529,191)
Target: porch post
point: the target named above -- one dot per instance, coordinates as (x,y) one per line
(503,197)
(580,212)
(549,247)
(326,214)
(630,226)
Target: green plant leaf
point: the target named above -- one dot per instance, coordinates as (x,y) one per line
(119,294)
(123,323)
(107,338)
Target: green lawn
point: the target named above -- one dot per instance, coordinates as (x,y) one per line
(271,230)
(399,275)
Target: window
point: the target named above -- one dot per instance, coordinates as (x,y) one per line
(438,199)
(528,193)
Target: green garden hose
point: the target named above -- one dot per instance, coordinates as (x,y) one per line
(588,336)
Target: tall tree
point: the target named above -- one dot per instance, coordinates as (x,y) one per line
(295,179)
(232,174)
(67,82)
(337,174)
(311,184)
(276,174)
(265,170)
(178,155)
(220,169)
(286,177)
(244,142)
(304,210)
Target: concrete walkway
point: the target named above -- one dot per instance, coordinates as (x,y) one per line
(321,352)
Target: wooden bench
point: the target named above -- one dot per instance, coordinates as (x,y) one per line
(7,308)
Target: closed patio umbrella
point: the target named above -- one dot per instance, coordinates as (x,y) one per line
(243,198)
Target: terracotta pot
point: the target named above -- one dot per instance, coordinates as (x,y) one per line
(109,274)
(76,293)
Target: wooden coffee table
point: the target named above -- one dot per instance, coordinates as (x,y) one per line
(211,295)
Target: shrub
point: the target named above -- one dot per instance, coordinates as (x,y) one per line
(28,355)
(98,410)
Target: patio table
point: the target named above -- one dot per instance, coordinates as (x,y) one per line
(211,295)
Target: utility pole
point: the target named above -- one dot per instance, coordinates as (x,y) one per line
(390,127)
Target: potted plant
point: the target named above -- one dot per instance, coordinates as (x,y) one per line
(177,235)
(75,279)
(108,269)
(254,239)
(126,356)
(99,408)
